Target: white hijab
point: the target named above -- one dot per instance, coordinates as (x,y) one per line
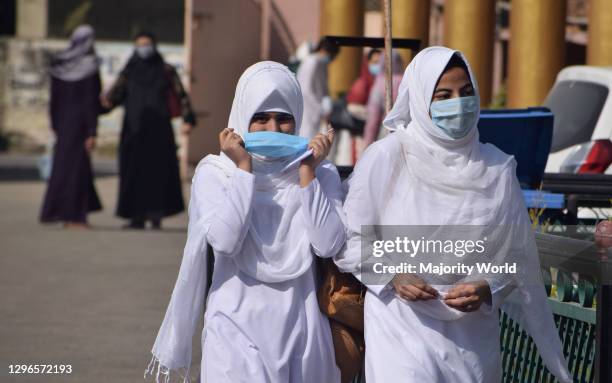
(275,249)
(432,179)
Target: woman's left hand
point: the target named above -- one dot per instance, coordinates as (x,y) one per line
(320,146)
(468,296)
(186,128)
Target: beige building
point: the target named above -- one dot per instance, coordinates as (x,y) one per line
(515,47)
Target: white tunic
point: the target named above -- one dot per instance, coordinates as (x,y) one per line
(420,176)
(404,344)
(265,332)
(262,323)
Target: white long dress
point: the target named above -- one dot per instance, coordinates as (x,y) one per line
(419,176)
(403,343)
(262,322)
(265,332)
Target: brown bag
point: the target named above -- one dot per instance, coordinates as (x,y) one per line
(172,98)
(349,348)
(341,298)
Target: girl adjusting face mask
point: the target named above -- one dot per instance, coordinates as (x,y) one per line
(271,135)
(272,142)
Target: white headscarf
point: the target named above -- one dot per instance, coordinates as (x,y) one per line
(79,60)
(428,178)
(274,248)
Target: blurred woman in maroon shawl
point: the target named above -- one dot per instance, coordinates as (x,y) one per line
(74,109)
(370,68)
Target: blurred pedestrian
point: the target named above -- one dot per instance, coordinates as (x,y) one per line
(370,68)
(74,109)
(376,100)
(312,76)
(151,92)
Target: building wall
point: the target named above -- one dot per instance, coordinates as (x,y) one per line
(24,94)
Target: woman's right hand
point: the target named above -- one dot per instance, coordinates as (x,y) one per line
(105,102)
(413,288)
(232,145)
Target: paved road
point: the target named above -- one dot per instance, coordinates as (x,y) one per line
(93,299)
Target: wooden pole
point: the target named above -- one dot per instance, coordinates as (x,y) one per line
(266,8)
(388,61)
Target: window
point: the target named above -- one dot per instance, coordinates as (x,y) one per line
(576,106)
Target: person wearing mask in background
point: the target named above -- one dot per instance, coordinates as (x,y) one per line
(149,180)
(268,204)
(433,171)
(376,100)
(74,108)
(312,76)
(360,90)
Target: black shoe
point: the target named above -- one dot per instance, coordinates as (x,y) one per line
(135,224)
(156,224)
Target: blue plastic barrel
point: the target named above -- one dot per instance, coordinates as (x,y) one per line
(524,133)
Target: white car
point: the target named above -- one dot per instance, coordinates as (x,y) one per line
(581,101)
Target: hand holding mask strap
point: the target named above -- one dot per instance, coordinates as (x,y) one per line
(274,144)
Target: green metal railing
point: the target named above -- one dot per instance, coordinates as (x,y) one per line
(577,281)
(521,361)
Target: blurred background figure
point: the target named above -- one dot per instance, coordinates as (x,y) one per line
(151,92)
(74,108)
(376,99)
(360,90)
(312,76)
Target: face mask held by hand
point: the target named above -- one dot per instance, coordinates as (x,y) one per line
(456,116)
(274,144)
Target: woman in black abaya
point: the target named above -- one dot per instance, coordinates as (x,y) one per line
(74,107)
(149,89)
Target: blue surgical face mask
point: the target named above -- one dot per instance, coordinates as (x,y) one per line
(326,59)
(374,69)
(455,116)
(274,144)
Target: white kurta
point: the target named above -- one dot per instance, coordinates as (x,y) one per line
(256,331)
(405,344)
(420,176)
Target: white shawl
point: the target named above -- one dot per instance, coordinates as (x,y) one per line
(278,251)
(422,177)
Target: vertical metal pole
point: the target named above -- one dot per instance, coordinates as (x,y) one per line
(187,43)
(603,352)
(266,8)
(388,61)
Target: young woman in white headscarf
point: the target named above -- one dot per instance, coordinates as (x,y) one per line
(267,205)
(432,170)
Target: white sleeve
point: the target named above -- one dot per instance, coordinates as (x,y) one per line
(500,288)
(225,206)
(321,204)
(361,209)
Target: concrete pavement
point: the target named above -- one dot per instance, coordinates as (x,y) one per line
(93,299)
